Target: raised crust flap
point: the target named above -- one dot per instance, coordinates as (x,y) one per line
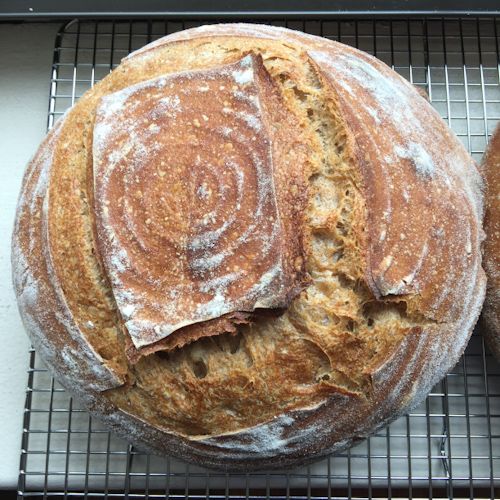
(421,187)
(194,202)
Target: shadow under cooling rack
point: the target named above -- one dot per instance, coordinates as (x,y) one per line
(448,447)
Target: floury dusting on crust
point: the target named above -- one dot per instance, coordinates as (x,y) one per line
(41,301)
(266,439)
(245,74)
(404,142)
(270,438)
(393,100)
(419,156)
(213,211)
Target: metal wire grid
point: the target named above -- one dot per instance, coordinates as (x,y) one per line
(448,447)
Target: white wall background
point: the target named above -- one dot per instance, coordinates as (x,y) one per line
(25,63)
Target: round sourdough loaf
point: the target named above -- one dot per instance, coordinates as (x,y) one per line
(491,311)
(249,247)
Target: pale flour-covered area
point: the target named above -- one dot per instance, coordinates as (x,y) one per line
(25,59)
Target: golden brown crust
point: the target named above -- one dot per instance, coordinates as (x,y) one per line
(363,342)
(223,206)
(42,304)
(406,163)
(491,311)
(413,249)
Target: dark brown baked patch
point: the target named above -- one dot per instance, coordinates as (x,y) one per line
(191,224)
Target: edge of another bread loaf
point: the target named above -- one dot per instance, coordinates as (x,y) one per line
(490,167)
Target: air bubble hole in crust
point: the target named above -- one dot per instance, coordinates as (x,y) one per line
(163,355)
(382,311)
(200,369)
(228,343)
(234,343)
(321,360)
(219,342)
(337,255)
(339,147)
(323,242)
(302,96)
(341,229)
(345,281)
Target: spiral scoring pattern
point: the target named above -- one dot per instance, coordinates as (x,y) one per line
(187,216)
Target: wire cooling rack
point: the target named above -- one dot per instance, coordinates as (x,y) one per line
(448,447)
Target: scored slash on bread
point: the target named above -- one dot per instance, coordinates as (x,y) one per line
(409,253)
(198,220)
(391,234)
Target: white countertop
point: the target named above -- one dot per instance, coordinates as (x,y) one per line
(25,63)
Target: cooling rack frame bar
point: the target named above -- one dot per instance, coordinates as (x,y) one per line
(468,100)
(149,9)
